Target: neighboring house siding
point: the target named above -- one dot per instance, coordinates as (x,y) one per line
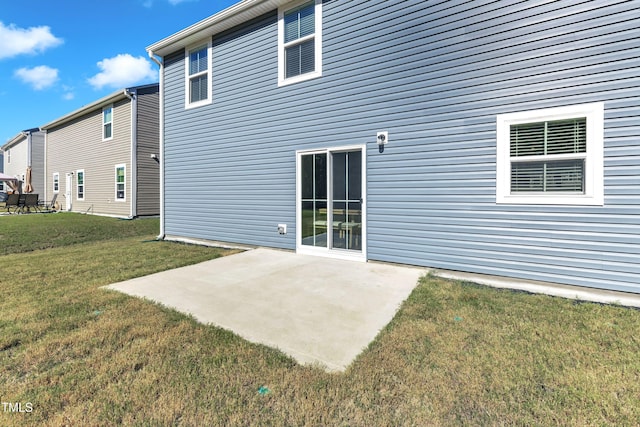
(78,145)
(18,161)
(435,75)
(19,149)
(37,163)
(148,141)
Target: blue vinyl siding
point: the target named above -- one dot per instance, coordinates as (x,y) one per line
(435,75)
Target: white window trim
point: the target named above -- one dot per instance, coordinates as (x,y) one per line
(84,185)
(8,156)
(115,171)
(594,161)
(282,81)
(56,179)
(105,123)
(187,76)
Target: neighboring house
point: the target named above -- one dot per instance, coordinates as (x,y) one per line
(25,150)
(2,184)
(512,134)
(103,158)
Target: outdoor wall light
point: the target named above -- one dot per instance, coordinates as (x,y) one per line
(155,157)
(382,139)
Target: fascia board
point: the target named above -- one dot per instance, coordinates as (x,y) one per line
(109,99)
(230,17)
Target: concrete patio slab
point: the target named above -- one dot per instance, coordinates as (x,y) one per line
(317,310)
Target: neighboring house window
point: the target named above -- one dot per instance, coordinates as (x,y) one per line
(299,42)
(120,182)
(56,182)
(551,156)
(107,123)
(80,184)
(198,65)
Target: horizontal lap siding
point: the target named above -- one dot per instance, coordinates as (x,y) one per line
(16,161)
(78,145)
(148,143)
(435,75)
(37,163)
(434,203)
(230,177)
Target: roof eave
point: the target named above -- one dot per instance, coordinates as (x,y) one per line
(13,141)
(234,15)
(18,138)
(109,99)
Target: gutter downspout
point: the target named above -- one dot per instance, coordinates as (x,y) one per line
(134,155)
(160,63)
(28,135)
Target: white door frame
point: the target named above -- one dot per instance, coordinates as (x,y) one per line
(326,251)
(68,192)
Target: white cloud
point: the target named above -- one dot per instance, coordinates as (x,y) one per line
(175,2)
(123,70)
(16,41)
(39,77)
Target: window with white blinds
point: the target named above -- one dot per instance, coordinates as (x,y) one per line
(299,50)
(551,156)
(198,64)
(548,156)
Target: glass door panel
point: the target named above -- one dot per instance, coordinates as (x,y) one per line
(313,181)
(346,180)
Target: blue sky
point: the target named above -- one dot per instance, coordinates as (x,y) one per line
(56,56)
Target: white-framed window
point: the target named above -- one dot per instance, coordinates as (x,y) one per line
(107,123)
(198,75)
(56,182)
(121,182)
(299,41)
(80,184)
(8,156)
(552,156)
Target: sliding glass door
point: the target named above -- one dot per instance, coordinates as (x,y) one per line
(330,202)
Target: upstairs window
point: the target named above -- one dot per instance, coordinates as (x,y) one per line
(107,123)
(198,65)
(300,42)
(551,156)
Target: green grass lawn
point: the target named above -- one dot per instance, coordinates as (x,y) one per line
(455,354)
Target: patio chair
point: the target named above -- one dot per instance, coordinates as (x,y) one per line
(50,206)
(30,202)
(21,199)
(12,202)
